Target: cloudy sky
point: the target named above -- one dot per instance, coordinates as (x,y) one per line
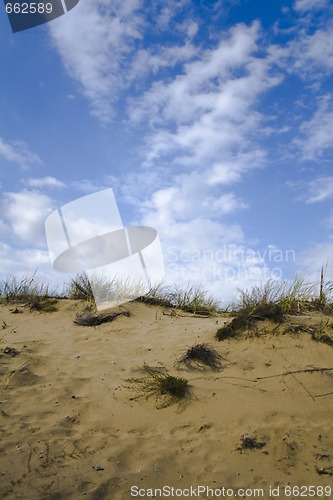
(211,120)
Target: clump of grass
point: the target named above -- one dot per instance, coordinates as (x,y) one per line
(163,386)
(274,301)
(79,288)
(201,354)
(87,318)
(298,297)
(98,288)
(30,291)
(23,290)
(258,304)
(322,333)
(191,299)
(156,296)
(43,304)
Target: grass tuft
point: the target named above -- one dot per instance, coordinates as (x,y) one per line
(201,354)
(30,291)
(79,288)
(274,301)
(323,333)
(192,299)
(163,386)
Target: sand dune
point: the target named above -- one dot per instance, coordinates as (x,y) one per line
(72,428)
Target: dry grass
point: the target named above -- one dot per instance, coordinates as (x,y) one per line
(163,386)
(275,301)
(192,299)
(200,355)
(30,291)
(87,318)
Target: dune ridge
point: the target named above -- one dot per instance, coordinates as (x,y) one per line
(71,426)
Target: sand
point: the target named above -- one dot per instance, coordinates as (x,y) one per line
(72,428)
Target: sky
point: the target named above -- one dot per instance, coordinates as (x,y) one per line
(211,120)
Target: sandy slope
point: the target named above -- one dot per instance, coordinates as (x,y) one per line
(67,408)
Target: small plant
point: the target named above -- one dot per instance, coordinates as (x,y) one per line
(191,299)
(322,335)
(272,302)
(24,290)
(98,288)
(79,287)
(201,354)
(43,304)
(30,291)
(163,386)
(156,296)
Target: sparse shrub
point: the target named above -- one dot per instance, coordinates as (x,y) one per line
(161,385)
(201,354)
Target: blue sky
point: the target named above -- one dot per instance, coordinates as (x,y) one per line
(211,120)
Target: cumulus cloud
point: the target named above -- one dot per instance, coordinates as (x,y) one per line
(188,198)
(197,109)
(25,212)
(101,45)
(207,111)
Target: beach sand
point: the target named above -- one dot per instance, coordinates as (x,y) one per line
(72,427)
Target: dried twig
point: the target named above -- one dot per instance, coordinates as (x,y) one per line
(308,370)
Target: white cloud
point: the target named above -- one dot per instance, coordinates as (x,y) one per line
(189,197)
(45,182)
(18,152)
(207,111)
(320,189)
(28,263)
(309,55)
(216,257)
(232,170)
(200,125)
(313,259)
(314,52)
(88,186)
(93,41)
(316,133)
(152,60)
(305,5)
(25,212)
